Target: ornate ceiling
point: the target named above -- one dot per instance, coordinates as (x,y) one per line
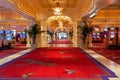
(108,16)
(10,18)
(38,10)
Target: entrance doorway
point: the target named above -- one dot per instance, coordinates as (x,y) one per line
(61,35)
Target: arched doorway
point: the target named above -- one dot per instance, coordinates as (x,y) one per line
(61,33)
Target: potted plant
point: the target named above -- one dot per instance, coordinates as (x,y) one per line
(50,33)
(71,34)
(33,31)
(85,30)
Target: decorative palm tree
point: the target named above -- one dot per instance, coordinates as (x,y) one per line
(50,33)
(33,31)
(85,30)
(71,34)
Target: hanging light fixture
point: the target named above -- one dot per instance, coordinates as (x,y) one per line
(57,10)
(58,16)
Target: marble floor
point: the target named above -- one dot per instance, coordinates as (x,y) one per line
(106,62)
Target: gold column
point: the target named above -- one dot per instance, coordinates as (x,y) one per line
(28,37)
(90,34)
(38,37)
(108,38)
(90,40)
(28,41)
(74,40)
(44,35)
(79,37)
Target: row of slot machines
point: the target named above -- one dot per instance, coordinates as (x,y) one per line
(99,36)
(6,34)
(9,34)
(112,35)
(96,37)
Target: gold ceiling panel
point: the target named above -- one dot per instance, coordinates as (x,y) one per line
(108,14)
(40,9)
(9,18)
(44,3)
(62,3)
(36,7)
(71,3)
(107,17)
(10,15)
(24,6)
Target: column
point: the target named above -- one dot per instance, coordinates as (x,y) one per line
(90,40)
(79,36)
(28,41)
(54,36)
(108,38)
(28,37)
(90,34)
(74,39)
(38,36)
(44,35)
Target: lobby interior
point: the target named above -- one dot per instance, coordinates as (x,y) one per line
(58,51)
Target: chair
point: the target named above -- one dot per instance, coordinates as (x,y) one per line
(6,44)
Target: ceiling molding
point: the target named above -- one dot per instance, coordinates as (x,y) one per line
(9,5)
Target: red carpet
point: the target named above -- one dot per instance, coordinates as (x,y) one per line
(5,53)
(99,44)
(110,54)
(60,42)
(56,63)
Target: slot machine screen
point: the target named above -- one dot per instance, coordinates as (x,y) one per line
(94,36)
(94,33)
(23,35)
(104,34)
(8,35)
(98,33)
(98,36)
(2,34)
(2,31)
(112,34)
(8,32)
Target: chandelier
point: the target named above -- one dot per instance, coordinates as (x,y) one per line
(58,16)
(57,10)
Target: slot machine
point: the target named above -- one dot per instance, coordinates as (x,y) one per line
(94,36)
(23,36)
(114,37)
(2,34)
(9,35)
(105,32)
(98,36)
